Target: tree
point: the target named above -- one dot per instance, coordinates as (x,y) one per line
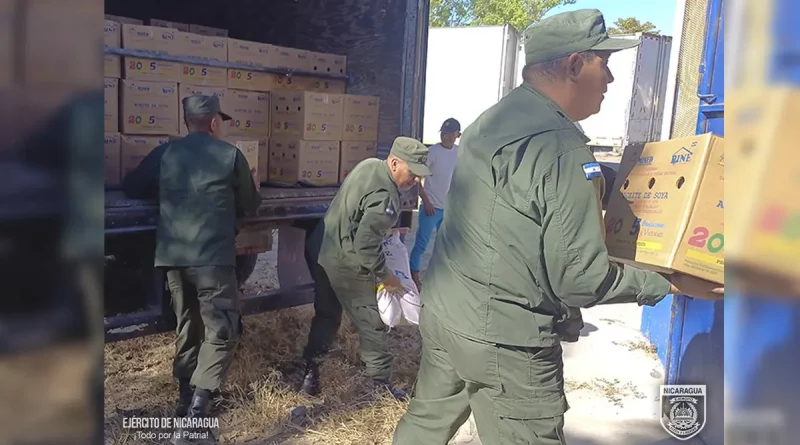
(631,25)
(518,13)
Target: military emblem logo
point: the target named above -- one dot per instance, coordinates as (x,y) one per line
(683,410)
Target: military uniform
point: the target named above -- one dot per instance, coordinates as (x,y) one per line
(203,185)
(519,253)
(345,253)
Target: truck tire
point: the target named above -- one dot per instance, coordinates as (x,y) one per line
(245,265)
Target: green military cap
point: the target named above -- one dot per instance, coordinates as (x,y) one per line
(570,32)
(414,153)
(199,105)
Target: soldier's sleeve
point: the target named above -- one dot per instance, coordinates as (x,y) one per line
(578,267)
(245,192)
(142,182)
(379,216)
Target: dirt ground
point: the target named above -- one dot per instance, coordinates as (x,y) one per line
(256,403)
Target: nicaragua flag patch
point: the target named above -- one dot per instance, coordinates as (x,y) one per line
(592,170)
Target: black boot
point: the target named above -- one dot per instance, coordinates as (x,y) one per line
(196,434)
(386,385)
(185,393)
(310,384)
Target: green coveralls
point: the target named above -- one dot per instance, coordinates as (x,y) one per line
(202,185)
(520,251)
(346,254)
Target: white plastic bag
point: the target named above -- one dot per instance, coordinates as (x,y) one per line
(394,306)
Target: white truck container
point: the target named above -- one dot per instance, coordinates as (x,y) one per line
(633,108)
(469,69)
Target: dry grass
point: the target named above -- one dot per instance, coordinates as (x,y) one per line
(259,393)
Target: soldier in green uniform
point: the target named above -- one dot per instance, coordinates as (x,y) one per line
(521,250)
(203,185)
(347,260)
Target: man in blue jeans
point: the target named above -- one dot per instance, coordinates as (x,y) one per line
(433,191)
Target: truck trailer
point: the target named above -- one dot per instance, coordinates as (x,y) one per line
(384,43)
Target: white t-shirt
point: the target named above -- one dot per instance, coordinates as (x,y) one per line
(441,162)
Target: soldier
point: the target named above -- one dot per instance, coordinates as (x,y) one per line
(346,256)
(203,185)
(522,250)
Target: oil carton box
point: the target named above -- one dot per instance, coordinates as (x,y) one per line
(763,167)
(249,111)
(167,24)
(291,59)
(204,47)
(360,118)
(328,63)
(263,160)
(137,68)
(112,65)
(251,80)
(354,152)
(293,160)
(111,105)
(185,91)
(208,31)
(111,34)
(251,153)
(111,159)
(151,38)
(135,148)
(249,53)
(212,76)
(307,115)
(668,213)
(313,84)
(254,238)
(149,107)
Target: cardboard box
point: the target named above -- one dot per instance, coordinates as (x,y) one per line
(360,122)
(135,148)
(293,160)
(249,53)
(112,159)
(204,47)
(354,152)
(112,65)
(306,83)
(111,105)
(251,80)
(250,113)
(328,63)
(291,59)
(149,107)
(668,214)
(190,90)
(762,167)
(254,238)
(152,70)
(184,27)
(263,160)
(151,38)
(202,75)
(208,31)
(111,34)
(307,115)
(123,20)
(250,150)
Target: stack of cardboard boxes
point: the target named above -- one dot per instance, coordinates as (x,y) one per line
(307,117)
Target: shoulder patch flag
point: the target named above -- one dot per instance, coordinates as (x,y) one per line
(592,170)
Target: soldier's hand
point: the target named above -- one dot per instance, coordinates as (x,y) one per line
(392,283)
(695,287)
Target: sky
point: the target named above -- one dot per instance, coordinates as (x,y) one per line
(660,12)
